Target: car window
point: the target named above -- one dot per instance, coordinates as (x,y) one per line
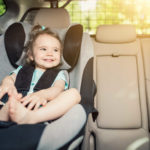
(2,7)
(91,13)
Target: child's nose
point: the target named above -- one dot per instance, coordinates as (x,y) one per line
(49,52)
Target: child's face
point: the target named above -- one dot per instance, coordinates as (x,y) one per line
(46,52)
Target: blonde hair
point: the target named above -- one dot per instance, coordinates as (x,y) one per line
(36,31)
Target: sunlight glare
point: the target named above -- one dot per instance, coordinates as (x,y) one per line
(138,143)
(88,5)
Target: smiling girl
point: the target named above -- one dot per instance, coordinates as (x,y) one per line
(40,82)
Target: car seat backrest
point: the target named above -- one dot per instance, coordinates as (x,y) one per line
(120,98)
(117,57)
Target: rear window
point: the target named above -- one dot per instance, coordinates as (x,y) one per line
(91,13)
(2,7)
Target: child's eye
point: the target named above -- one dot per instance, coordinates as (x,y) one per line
(43,49)
(55,50)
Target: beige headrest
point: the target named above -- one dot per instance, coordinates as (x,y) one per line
(115,33)
(53,18)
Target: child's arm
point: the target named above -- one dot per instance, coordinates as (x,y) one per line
(57,107)
(7,85)
(41,97)
(54,91)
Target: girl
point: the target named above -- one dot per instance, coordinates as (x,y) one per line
(40,82)
(42,98)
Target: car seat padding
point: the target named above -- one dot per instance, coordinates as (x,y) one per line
(14,42)
(72,44)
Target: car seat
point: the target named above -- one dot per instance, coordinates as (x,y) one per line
(14,51)
(122,122)
(73,35)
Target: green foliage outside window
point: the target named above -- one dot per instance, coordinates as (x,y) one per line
(91,13)
(2,7)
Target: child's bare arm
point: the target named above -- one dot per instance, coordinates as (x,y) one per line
(7,85)
(54,91)
(41,97)
(57,107)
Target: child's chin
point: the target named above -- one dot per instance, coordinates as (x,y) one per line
(50,66)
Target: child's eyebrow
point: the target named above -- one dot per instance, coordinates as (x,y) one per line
(42,46)
(57,48)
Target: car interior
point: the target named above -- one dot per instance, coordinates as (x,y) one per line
(110,69)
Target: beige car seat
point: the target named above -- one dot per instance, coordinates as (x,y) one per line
(122,123)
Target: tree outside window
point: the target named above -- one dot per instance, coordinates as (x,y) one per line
(2,7)
(91,13)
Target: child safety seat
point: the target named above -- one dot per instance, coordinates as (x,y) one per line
(14,41)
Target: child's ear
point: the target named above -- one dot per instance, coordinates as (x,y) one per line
(30,56)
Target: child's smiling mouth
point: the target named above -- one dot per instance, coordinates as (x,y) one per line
(49,60)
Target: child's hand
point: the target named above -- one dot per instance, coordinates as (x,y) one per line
(7,86)
(34,100)
(4,88)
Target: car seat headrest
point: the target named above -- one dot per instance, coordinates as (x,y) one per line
(17,34)
(56,18)
(115,33)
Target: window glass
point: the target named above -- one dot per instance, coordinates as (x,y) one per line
(91,13)
(2,7)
